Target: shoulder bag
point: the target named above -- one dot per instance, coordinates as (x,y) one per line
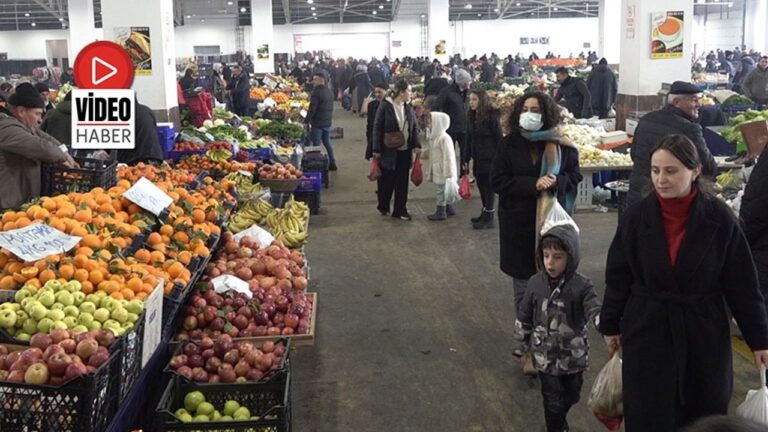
(396,139)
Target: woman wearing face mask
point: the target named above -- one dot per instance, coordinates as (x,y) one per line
(520,175)
(483,136)
(678,257)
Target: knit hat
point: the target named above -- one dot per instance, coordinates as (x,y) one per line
(26,96)
(42,87)
(462,77)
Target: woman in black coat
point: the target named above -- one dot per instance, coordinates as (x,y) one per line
(516,177)
(363,86)
(395,113)
(483,136)
(677,258)
(602,85)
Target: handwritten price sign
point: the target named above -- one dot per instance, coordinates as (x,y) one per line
(37,241)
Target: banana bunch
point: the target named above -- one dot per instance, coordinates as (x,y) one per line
(244,184)
(284,151)
(219,155)
(250,212)
(289,224)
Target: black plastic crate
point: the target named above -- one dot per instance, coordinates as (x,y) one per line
(84,404)
(128,367)
(93,173)
(270,401)
(311,198)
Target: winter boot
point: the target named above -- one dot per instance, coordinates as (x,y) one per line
(485,222)
(475,220)
(449,210)
(439,214)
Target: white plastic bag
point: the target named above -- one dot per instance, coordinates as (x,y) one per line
(606,400)
(755,406)
(556,216)
(451,190)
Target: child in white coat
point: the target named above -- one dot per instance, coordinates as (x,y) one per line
(441,163)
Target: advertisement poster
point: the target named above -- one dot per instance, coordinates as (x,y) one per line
(137,43)
(667,35)
(440,47)
(262,53)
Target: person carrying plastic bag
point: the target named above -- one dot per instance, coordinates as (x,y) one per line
(552,322)
(442,166)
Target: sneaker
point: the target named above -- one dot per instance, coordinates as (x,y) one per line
(404,217)
(382,212)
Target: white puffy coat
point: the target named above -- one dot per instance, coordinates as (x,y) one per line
(441,164)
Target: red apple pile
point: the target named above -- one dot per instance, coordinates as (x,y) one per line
(226,361)
(279,305)
(279,171)
(186,146)
(56,358)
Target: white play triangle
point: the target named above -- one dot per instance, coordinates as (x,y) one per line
(95,63)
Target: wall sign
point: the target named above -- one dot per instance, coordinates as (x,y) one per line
(630,21)
(136,41)
(667,36)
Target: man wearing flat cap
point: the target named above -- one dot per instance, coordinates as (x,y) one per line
(45,92)
(24,147)
(679,116)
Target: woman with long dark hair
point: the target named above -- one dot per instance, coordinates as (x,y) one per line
(534,161)
(483,136)
(395,114)
(678,257)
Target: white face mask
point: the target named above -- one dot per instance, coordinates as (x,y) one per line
(530,121)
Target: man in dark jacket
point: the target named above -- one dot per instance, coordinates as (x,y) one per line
(148,147)
(376,74)
(755,85)
(452,100)
(435,86)
(744,66)
(487,71)
(677,117)
(602,88)
(320,115)
(754,218)
(432,71)
(239,90)
(574,94)
(58,121)
(379,92)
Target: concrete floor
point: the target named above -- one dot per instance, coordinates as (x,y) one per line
(415,318)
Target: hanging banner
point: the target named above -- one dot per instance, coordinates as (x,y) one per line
(667,34)
(137,43)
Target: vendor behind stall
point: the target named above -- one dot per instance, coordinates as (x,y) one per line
(24,147)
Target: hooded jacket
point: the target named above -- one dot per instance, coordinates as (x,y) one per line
(441,164)
(576,97)
(58,122)
(553,317)
(21,152)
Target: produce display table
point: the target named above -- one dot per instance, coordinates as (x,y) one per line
(584,194)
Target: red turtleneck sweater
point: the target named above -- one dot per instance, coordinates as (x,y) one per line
(674,214)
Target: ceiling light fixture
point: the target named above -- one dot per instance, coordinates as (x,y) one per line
(468,6)
(315,17)
(381,6)
(312,8)
(554,8)
(314,13)
(189,16)
(202,19)
(229,3)
(479,15)
(422,15)
(310,1)
(374,12)
(242,9)
(61,19)
(26,14)
(496,10)
(517,4)
(34,25)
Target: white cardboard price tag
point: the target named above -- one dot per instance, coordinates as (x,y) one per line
(246,173)
(37,241)
(226,283)
(303,113)
(153,323)
(262,236)
(148,196)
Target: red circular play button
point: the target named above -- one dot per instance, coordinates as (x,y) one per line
(103,65)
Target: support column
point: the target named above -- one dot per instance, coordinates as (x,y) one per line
(82,29)
(609,20)
(755,34)
(439,30)
(155,82)
(262,42)
(641,77)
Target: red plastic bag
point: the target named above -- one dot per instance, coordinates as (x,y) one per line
(465,188)
(374,172)
(417,174)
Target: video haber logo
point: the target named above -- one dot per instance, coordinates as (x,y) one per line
(103,104)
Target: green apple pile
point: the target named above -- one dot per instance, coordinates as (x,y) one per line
(198,410)
(65,306)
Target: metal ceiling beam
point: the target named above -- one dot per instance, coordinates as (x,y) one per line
(559,4)
(396,8)
(287,11)
(56,14)
(506,8)
(368,15)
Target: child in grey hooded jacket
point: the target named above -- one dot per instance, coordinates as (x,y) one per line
(552,322)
